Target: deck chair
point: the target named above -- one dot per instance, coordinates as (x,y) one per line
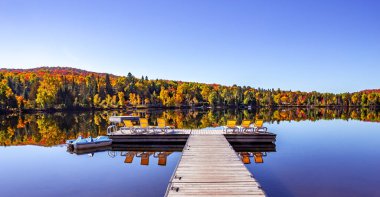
(245,158)
(129,157)
(259,126)
(246,126)
(145,159)
(161,126)
(144,126)
(231,125)
(258,158)
(128,125)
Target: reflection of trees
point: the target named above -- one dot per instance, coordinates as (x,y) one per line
(49,129)
(54,129)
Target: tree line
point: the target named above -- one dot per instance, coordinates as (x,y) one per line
(62,88)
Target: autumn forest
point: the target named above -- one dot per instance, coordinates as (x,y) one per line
(62,88)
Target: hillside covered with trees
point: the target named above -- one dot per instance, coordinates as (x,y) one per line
(62,88)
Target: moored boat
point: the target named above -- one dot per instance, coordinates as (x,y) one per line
(86,143)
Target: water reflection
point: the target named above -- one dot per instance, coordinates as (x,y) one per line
(136,152)
(257,156)
(51,171)
(253,152)
(144,157)
(324,158)
(318,157)
(54,129)
(142,153)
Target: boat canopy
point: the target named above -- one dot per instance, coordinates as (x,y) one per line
(120,119)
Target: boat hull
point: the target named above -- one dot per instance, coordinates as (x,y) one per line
(90,145)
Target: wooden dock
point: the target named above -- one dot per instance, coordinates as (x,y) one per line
(210,167)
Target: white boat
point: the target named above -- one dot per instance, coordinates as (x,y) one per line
(86,143)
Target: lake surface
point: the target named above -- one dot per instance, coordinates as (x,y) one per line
(320,152)
(323,158)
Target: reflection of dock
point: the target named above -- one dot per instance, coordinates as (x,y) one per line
(210,166)
(144,157)
(254,147)
(148,147)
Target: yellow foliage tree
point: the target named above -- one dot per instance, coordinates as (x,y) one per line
(46,92)
(121,99)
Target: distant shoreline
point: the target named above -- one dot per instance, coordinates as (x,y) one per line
(51,89)
(253,108)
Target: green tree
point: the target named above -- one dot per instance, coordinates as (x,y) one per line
(109,89)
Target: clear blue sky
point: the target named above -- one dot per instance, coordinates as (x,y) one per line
(323,45)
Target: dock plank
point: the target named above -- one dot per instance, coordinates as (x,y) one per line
(210,167)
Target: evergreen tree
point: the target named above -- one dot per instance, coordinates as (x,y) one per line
(109,89)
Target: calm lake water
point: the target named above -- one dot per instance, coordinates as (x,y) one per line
(322,153)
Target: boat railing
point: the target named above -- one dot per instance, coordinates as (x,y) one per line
(111,129)
(112,154)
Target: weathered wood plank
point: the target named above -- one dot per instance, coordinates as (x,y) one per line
(210,167)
